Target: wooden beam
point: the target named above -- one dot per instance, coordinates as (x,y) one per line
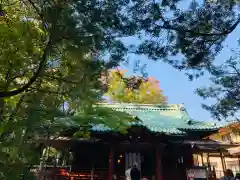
(111,164)
(158,164)
(135,146)
(202,159)
(208,161)
(239,161)
(223,161)
(217,155)
(197,159)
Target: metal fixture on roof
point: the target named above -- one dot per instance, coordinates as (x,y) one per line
(189,122)
(182,108)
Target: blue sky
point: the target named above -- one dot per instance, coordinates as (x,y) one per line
(175,84)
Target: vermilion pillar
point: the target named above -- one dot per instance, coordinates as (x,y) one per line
(158,164)
(111,164)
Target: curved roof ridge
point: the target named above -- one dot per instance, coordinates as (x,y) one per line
(143,106)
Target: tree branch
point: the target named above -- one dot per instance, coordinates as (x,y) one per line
(228,31)
(33,78)
(62,79)
(49,91)
(36,8)
(235,69)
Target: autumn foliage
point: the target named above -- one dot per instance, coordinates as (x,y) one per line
(133,89)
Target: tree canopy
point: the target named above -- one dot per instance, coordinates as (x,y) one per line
(225,89)
(196,32)
(47,61)
(165,30)
(133,89)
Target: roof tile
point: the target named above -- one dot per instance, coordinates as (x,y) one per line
(169,119)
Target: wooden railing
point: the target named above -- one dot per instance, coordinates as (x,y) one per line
(65,174)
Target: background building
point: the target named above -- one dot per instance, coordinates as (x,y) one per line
(226,136)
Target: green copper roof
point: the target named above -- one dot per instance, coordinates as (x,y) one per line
(168,119)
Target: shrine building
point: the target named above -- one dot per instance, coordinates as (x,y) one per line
(158,142)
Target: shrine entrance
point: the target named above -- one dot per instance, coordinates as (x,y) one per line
(90,158)
(131,158)
(145,158)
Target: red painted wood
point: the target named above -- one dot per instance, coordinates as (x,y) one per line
(110,164)
(158,165)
